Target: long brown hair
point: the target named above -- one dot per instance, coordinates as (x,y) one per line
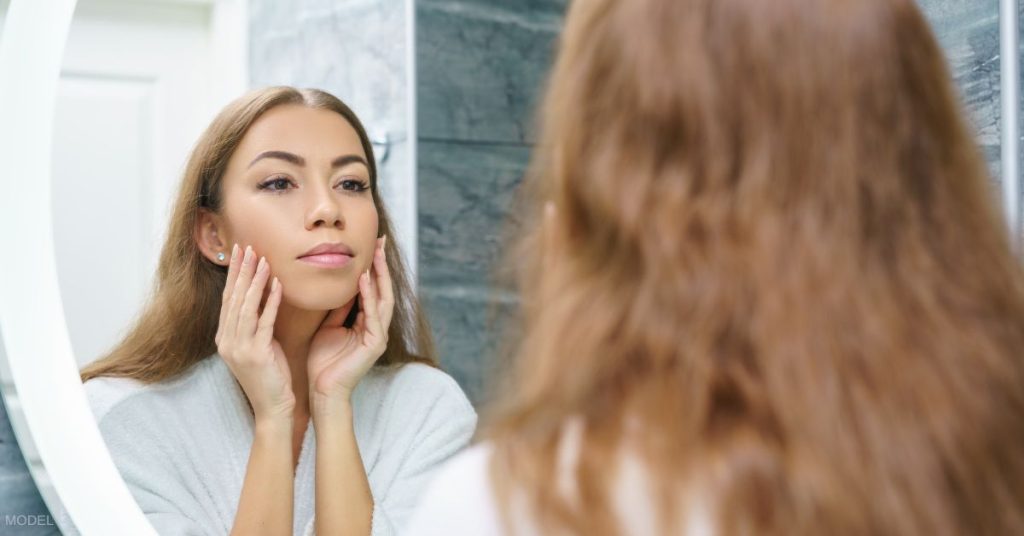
(177,325)
(775,254)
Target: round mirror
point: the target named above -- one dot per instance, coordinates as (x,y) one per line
(99,119)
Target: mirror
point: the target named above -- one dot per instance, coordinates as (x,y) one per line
(101,117)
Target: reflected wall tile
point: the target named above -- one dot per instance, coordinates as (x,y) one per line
(530,8)
(466,323)
(353,50)
(464,194)
(969,35)
(18,494)
(480,68)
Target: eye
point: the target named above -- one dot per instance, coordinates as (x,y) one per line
(276,184)
(354,185)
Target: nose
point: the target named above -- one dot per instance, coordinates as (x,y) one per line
(325,210)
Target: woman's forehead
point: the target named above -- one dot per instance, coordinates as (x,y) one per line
(311,133)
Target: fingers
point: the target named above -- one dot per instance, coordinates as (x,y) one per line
(248,313)
(229,284)
(238,288)
(370,308)
(384,285)
(360,323)
(265,328)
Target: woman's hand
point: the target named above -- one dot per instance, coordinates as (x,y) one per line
(245,337)
(340,356)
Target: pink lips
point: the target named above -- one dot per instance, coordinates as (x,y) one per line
(328,255)
(328,260)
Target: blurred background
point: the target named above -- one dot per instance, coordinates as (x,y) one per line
(446,88)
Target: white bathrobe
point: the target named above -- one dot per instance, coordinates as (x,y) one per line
(183,446)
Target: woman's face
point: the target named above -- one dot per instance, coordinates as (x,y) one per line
(299,179)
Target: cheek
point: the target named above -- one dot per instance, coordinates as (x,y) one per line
(264,244)
(368,232)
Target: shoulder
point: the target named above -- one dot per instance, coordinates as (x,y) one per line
(459,500)
(411,414)
(469,470)
(108,396)
(104,393)
(414,388)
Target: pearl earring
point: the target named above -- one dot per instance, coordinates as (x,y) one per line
(220,257)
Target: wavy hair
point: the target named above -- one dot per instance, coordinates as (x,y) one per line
(775,272)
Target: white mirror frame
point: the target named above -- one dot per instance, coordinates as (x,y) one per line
(46,402)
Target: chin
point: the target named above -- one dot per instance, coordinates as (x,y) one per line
(319,299)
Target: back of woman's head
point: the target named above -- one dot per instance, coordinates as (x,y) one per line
(774,254)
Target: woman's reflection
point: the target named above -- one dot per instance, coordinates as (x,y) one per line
(282,372)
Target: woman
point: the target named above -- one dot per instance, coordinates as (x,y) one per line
(282,378)
(771,295)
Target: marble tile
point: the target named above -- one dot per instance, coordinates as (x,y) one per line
(464,195)
(466,323)
(355,50)
(535,9)
(18,493)
(969,35)
(480,69)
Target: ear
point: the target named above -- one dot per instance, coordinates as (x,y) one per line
(212,238)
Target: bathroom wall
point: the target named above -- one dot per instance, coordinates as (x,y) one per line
(480,67)
(969,33)
(22,510)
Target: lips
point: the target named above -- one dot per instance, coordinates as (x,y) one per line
(328,255)
(329,248)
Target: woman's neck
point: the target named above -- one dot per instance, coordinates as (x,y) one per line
(294,329)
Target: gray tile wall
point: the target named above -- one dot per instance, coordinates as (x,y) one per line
(479,71)
(480,68)
(969,33)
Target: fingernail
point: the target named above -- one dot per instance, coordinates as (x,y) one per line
(234,252)
(385,237)
(248,254)
(262,264)
(273,285)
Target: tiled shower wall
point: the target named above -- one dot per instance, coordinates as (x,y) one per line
(480,68)
(969,33)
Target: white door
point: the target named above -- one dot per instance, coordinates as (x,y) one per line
(139,82)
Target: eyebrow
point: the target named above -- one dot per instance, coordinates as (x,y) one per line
(299,161)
